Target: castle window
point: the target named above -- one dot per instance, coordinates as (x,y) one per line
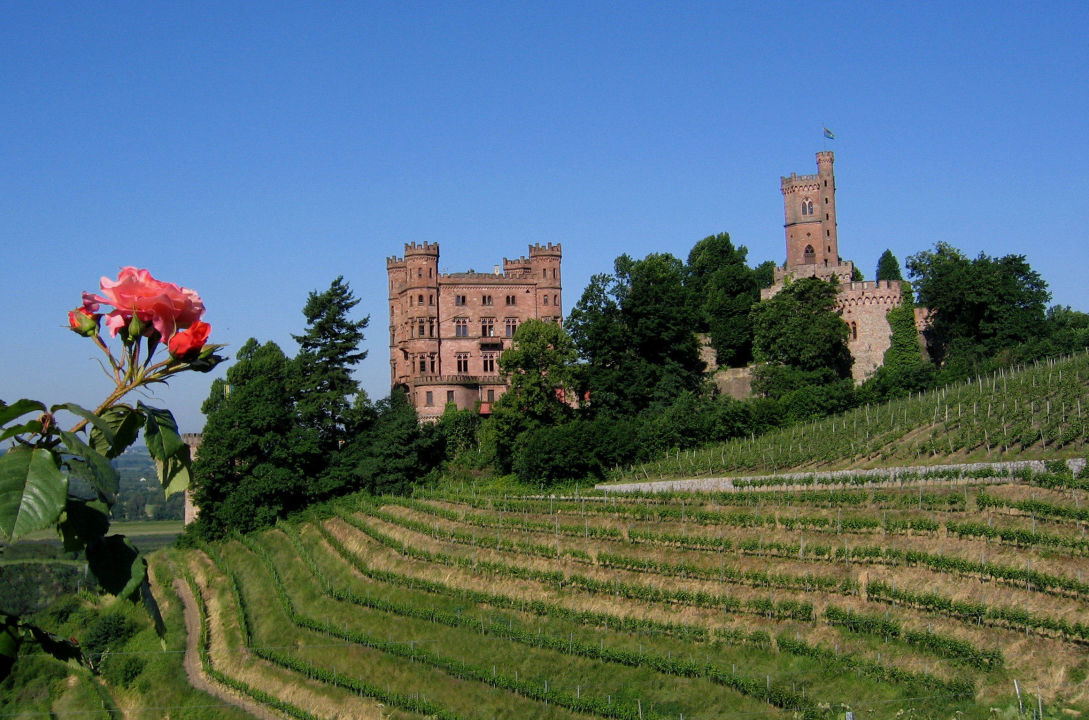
(809,256)
(423,364)
(485,299)
(491,396)
(553,273)
(545,299)
(430,299)
(431,327)
(449,396)
(420,274)
(512,325)
(489,362)
(555,299)
(512,299)
(461,327)
(430,398)
(854,330)
(420,300)
(432,364)
(463,362)
(421,328)
(459,299)
(487,327)
(544,274)
(807,207)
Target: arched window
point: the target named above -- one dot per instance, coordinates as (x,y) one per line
(854,330)
(807,207)
(420,300)
(810,256)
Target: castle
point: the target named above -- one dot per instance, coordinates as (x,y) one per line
(447,331)
(809,206)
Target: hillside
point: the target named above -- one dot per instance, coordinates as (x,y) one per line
(1036,412)
(752,605)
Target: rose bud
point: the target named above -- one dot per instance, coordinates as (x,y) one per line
(83,322)
(186,344)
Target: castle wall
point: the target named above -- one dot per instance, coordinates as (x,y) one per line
(863,306)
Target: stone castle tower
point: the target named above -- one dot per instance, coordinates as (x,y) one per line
(812,245)
(447,331)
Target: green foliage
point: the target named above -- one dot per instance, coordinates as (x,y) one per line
(888,267)
(247,473)
(723,290)
(799,329)
(538,367)
(980,306)
(635,330)
(397,452)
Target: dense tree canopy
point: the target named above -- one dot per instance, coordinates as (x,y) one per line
(636,330)
(980,307)
(800,338)
(723,290)
(246,473)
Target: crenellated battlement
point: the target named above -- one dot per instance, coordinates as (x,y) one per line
(553,249)
(798,182)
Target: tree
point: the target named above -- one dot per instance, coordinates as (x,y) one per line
(636,329)
(800,338)
(979,307)
(538,366)
(723,289)
(888,267)
(323,385)
(246,475)
(398,451)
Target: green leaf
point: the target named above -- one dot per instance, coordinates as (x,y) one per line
(87,415)
(95,468)
(18,408)
(33,491)
(174,473)
(34,426)
(124,423)
(118,565)
(161,433)
(84,521)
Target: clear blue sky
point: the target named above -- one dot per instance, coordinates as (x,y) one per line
(255,151)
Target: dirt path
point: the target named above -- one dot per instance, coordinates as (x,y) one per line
(195,672)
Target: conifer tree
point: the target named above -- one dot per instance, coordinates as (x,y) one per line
(888,267)
(323,385)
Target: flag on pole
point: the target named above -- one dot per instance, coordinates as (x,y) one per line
(829,134)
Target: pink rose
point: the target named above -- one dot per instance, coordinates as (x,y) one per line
(186,344)
(165,306)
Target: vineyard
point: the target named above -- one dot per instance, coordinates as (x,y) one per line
(1040,411)
(453,604)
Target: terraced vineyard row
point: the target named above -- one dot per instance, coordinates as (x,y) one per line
(684,606)
(1025,412)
